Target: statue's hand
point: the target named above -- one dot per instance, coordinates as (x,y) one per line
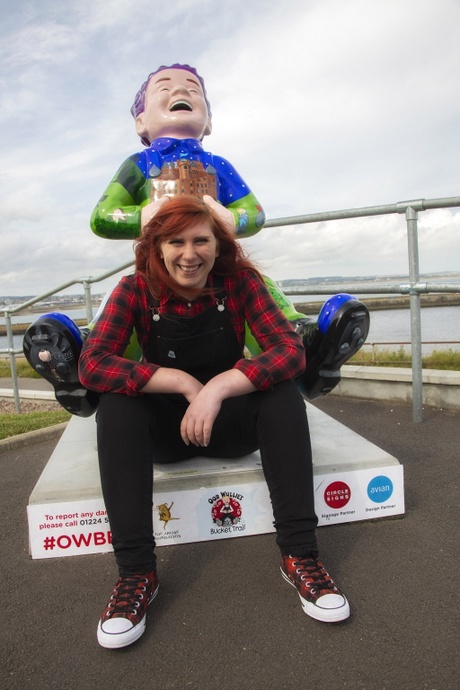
(224,213)
(148,211)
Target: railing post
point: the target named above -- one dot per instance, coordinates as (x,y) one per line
(88,303)
(14,373)
(415,315)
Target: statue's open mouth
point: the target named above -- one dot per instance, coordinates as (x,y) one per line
(180,105)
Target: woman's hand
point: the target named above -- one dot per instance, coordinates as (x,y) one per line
(197,423)
(149,210)
(225,215)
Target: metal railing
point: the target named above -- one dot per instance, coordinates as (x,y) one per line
(414,288)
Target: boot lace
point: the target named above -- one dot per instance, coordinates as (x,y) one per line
(129,595)
(314,575)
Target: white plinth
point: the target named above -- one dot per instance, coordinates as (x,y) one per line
(204,499)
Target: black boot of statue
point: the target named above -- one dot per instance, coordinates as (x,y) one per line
(339,332)
(52,346)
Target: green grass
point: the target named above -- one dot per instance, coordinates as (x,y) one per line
(23,368)
(15,424)
(445,359)
(438,359)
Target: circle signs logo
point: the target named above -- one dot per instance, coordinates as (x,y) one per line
(380,489)
(337,495)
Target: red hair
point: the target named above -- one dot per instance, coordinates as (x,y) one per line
(178,214)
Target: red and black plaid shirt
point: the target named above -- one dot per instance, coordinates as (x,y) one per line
(103,366)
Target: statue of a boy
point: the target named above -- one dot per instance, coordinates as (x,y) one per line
(172,116)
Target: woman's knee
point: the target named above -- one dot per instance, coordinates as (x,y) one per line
(284,393)
(118,411)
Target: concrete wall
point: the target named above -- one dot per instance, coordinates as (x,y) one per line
(440,388)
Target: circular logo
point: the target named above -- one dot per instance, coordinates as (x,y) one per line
(337,495)
(380,489)
(226,511)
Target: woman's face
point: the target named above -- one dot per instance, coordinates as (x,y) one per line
(190,255)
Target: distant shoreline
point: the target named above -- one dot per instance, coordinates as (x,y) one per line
(393,302)
(312,308)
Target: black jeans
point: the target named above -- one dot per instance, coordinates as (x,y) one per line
(134,433)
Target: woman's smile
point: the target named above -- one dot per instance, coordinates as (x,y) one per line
(189,269)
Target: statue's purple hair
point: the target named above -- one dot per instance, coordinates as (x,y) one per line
(139,102)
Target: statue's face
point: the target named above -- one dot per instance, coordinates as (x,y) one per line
(175,107)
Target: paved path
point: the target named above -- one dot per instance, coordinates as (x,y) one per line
(26,384)
(224,617)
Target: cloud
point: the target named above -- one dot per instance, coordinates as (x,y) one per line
(320,105)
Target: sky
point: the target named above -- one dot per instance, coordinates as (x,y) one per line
(321,105)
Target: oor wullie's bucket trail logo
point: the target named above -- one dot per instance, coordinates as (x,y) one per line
(227,513)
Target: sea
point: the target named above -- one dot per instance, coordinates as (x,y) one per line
(389,328)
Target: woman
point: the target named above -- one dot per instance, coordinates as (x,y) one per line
(194,393)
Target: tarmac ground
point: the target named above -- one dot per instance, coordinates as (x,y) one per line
(224,617)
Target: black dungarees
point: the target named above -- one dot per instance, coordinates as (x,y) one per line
(204,345)
(133,433)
